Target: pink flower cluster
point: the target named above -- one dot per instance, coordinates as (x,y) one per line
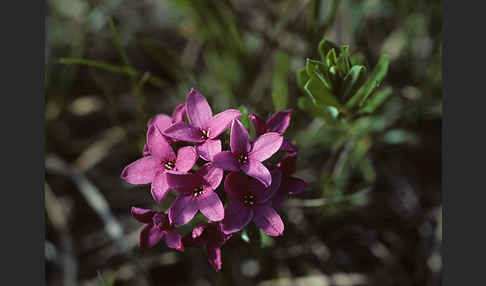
(196,169)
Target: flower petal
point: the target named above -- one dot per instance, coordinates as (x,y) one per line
(184,132)
(265,146)
(238,184)
(257,170)
(236,217)
(198,110)
(150,236)
(146,150)
(221,121)
(226,161)
(160,188)
(142,215)
(183,183)
(266,194)
(278,199)
(268,220)
(179,113)
(161,121)
(279,121)
(182,210)
(198,230)
(174,240)
(158,145)
(208,149)
(210,205)
(289,186)
(294,186)
(186,158)
(214,256)
(288,146)
(258,123)
(288,165)
(211,175)
(141,171)
(239,138)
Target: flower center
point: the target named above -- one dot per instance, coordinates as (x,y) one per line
(161,221)
(204,134)
(198,191)
(243,158)
(249,200)
(169,165)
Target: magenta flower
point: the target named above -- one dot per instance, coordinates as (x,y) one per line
(196,192)
(158,227)
(162,122)
(204,128)
(248,157)
(290,185)
(152,168)
(248,202)
(276,123)
(211,237)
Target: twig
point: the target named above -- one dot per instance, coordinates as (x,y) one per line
(305,203)
(99,204)
(97,151)
(341,161)
(59,219)
(50,252)
(128,71)
(92,196)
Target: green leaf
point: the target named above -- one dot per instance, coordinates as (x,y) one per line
(244,119)
(367,169)
(313,66)
(125,70)
(359,198)
(331,58)
(324,47)
(117,43)
(372,82)
(245,236)
(110,281)
(399,136)
(353,80)
(343,61)
(306,103)
(266,241)
(320,94)
(316,69)
(376,100)
(280,80)
(357,59)
(302,77)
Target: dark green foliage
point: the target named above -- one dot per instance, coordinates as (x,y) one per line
(335,81)
(341,92)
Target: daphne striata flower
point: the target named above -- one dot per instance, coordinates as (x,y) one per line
(290,185)
(246,156)
(196,192)
(158,227)
(152,168)
(162,122)
(204,128)
(211,237)
(249,202)
(276,123)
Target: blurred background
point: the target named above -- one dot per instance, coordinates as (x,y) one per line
(371,214)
